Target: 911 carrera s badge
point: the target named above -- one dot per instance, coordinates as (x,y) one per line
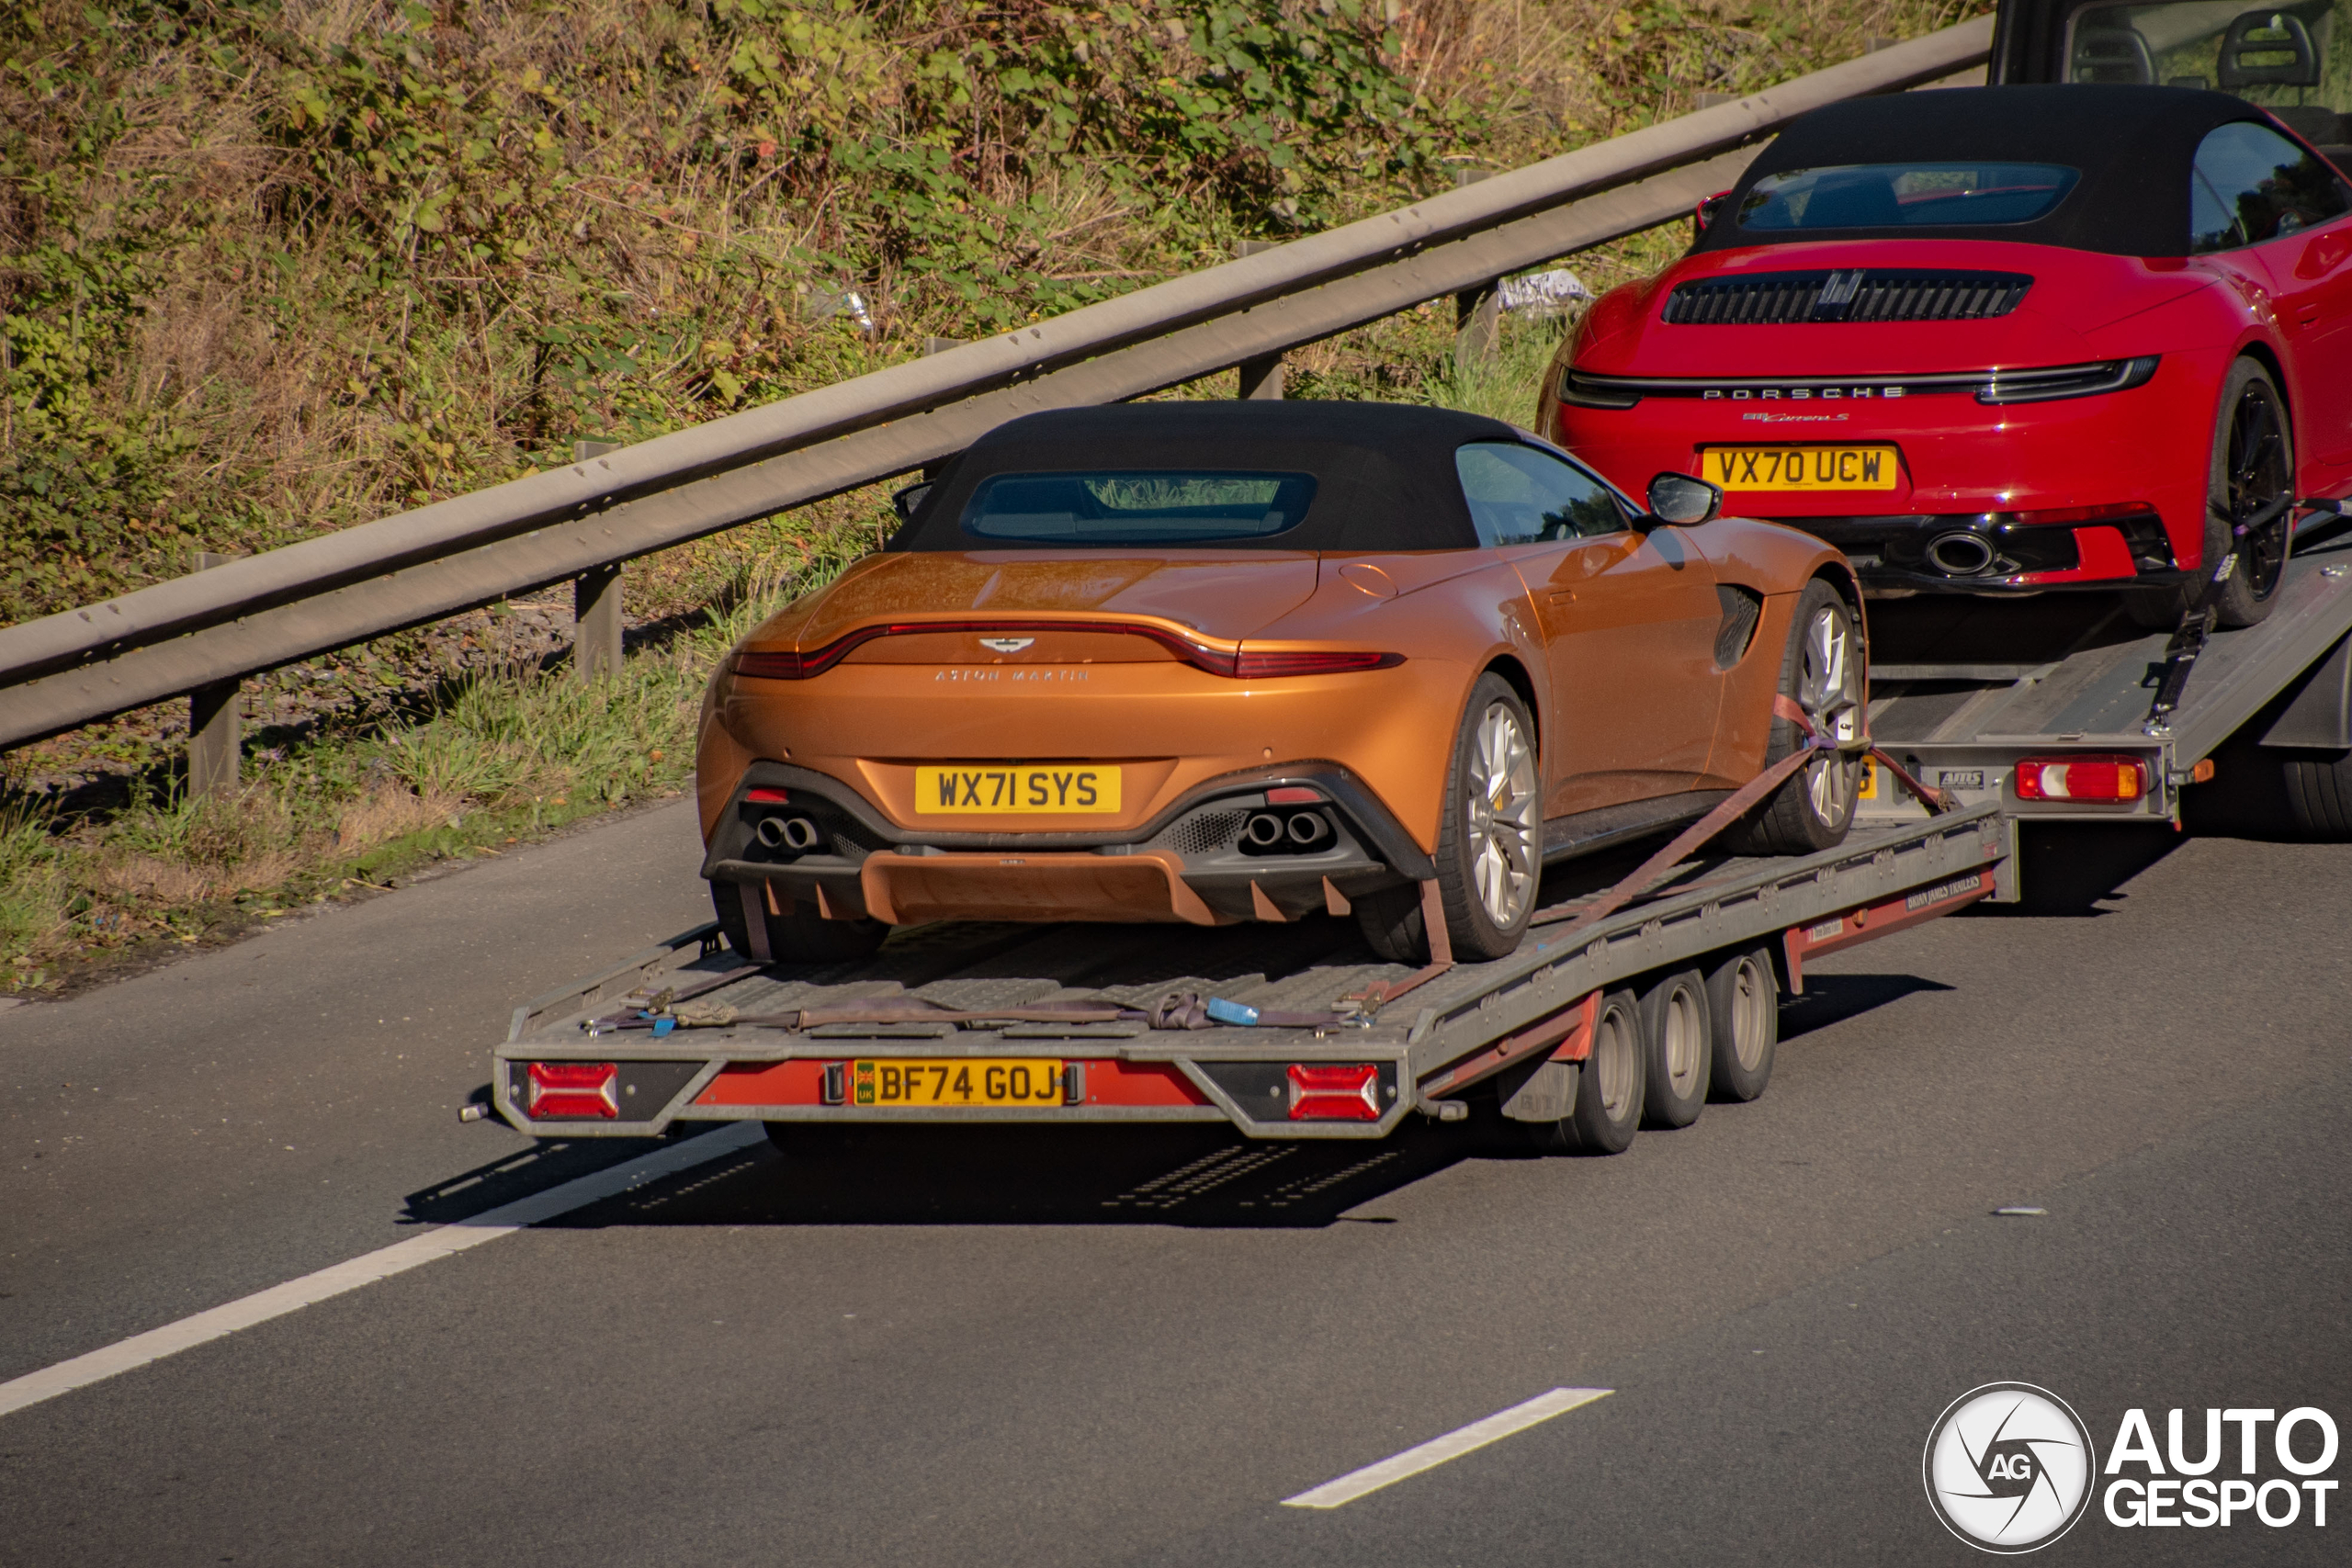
(1007,644)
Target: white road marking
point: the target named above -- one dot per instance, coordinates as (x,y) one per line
(402,1256)
(1454,1445)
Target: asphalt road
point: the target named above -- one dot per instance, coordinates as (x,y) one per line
(1088,1348)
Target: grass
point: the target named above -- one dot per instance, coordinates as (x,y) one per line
(272,267)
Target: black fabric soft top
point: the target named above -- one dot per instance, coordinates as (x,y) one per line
(2133,146)
(1383,473)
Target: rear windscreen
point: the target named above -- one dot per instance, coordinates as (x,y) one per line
(1140,506)
(1903,196)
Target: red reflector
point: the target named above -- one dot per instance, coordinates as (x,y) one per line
(767,795)
(1334,1092)
(1294,795)
(1254,666)
(2085,513)
(2090,777)
(574,1089)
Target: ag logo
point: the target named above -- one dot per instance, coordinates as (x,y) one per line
(2009,1467)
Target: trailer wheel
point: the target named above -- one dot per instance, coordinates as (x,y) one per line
(1678,1050)
(802,936)
(1744,1011)
(2319,796)
(1610,1085)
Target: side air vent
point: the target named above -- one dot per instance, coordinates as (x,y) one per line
(1874,294)
(1741,610)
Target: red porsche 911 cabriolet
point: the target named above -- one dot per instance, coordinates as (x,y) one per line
(2000,340)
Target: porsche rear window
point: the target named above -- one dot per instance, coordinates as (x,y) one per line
(1136,506)
(1905,196)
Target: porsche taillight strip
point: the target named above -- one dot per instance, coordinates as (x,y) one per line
(2040,384)
(1244,664)
(1857,294)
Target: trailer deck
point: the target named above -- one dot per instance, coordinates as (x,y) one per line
(1964,689)
(683,1030)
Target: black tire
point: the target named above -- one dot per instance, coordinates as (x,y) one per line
(1611,1086)
(1489,856)
(2252,463)
(2319,795)
(1677,1050)
(1814,808)
(803,936)
(1744,1018)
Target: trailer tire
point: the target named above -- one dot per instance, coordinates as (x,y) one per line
(1610,1085)
(2319,796)
(1678,1050)
(1743,1017)
(802,936)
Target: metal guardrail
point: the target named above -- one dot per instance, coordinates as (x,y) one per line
(267,609)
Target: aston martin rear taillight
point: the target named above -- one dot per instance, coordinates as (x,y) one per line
(1250,665)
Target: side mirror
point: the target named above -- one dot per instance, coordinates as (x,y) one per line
(1684,502)
(905,502)
(1703,215)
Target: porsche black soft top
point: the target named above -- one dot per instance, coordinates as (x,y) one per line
(2132,144)
(1383,473)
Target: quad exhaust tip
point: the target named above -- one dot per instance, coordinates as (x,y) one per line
(1297,833)
(788,833)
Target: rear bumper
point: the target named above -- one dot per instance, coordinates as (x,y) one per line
(1997,552)
(1189,863)
(659,1084)
(1961,463)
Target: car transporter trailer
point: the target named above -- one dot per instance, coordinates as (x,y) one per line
(1282,1029)
(2054,708)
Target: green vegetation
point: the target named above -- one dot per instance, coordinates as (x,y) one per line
(271,268)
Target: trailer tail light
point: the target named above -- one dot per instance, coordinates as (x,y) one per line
(577,1090)
(1334,1092)
(2103,780)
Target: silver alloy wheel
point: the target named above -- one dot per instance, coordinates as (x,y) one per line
(1501,817)
(1615,1064)
(1829,690)
(1685,1043)
(1754,996)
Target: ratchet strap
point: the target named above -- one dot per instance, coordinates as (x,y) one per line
(2196,628)
(1741,800)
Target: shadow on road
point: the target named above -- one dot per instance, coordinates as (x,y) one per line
(1834,999)
(2073,868)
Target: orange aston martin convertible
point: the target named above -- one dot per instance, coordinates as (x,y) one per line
(1223,661)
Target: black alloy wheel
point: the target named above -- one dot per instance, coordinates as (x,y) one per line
(2251,467)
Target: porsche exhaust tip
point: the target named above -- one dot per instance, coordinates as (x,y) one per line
(786,833)
(1961,553)
(1263,830)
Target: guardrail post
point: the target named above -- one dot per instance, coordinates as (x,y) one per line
(215,715)
(596,600)
(1262,377)
(1477,312)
